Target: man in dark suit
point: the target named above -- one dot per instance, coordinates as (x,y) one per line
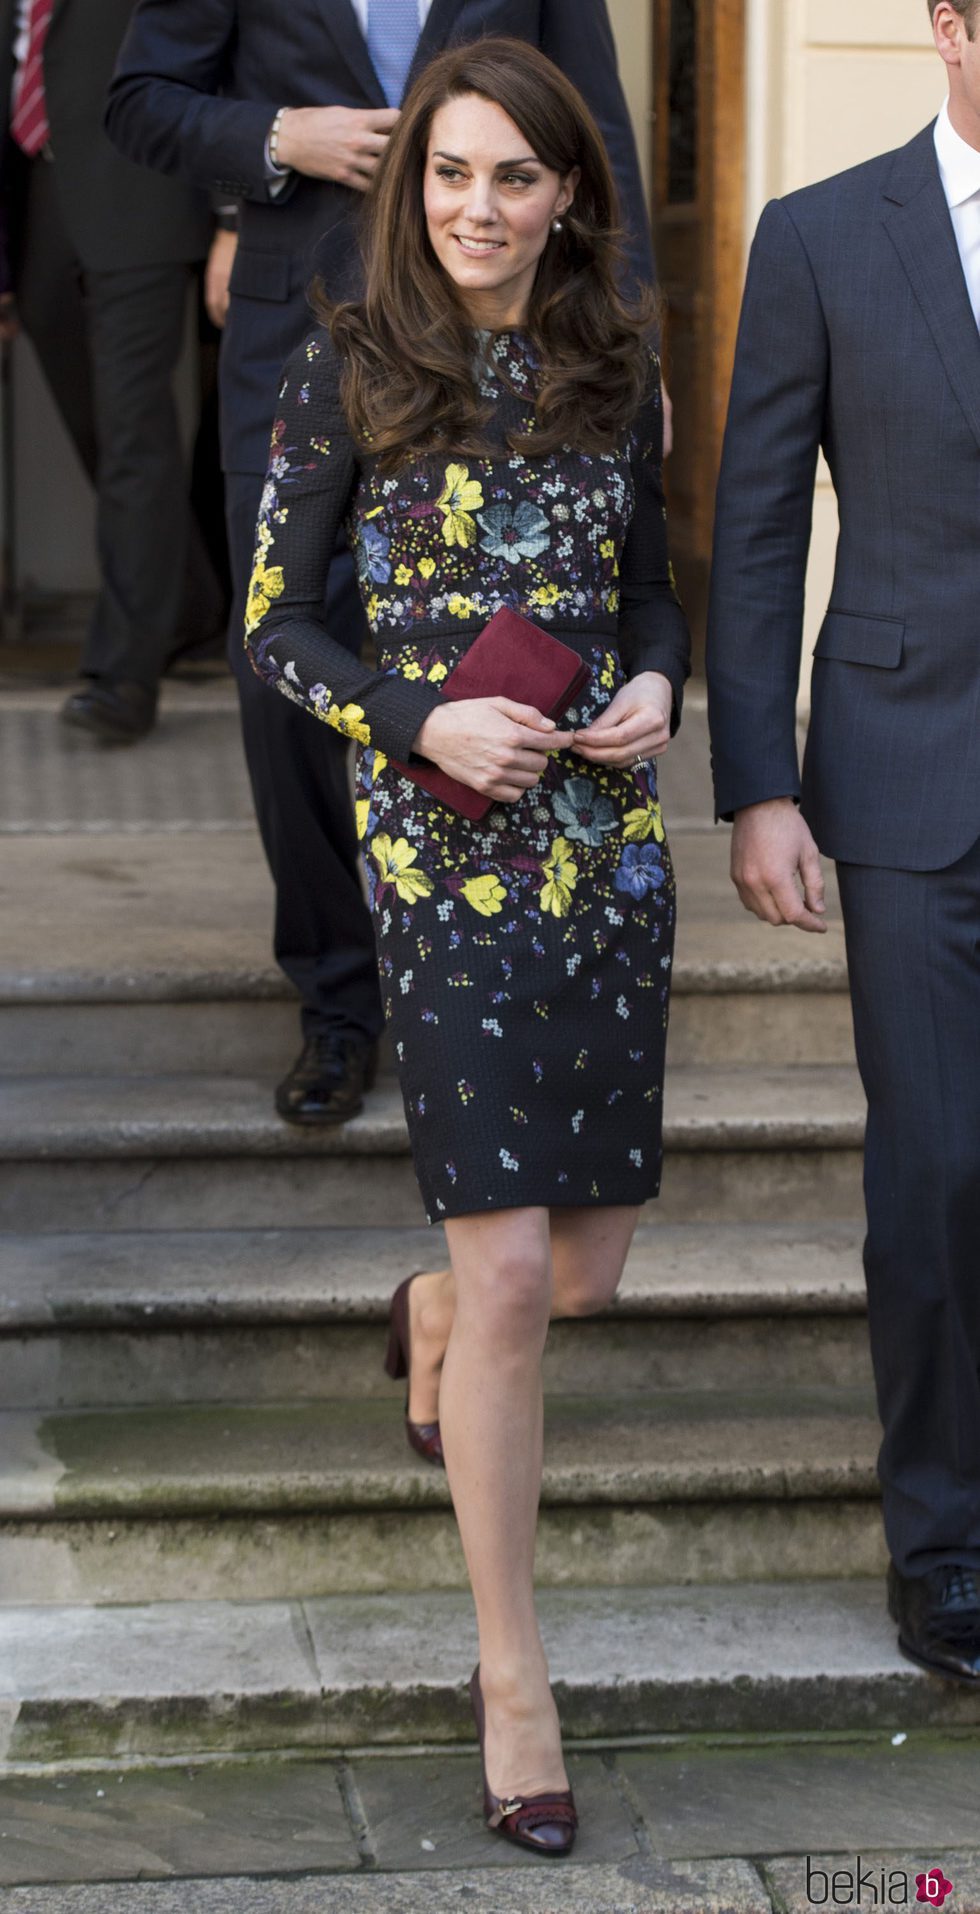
(288,111)
(102,252)
(859,334)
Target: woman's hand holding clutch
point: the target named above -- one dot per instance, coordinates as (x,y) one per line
(494,745)
(635,723)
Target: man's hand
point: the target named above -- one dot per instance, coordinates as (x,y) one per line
(635,723)
(217,274)
(776,865)
(342,143)
(494,745)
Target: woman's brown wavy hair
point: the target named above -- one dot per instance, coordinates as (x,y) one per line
(407,346)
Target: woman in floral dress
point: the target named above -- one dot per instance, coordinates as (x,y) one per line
(488,423)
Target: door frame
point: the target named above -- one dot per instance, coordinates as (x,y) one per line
(712,306)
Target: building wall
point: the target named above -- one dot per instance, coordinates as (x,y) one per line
(830,83)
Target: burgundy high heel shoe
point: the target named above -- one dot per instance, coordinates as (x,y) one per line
(423,1437)
(547,1823)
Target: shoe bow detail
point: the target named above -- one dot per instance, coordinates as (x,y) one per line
(538,1811)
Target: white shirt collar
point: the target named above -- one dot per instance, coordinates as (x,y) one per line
(959,163)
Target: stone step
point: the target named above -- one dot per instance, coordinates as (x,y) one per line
(128,1318)
(218,1036)
(194,1501)
(105,1152)
(169,963)
(385,1670)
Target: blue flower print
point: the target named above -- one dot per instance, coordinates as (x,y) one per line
(514,532)
(585,815)
(373,567)
(641,870)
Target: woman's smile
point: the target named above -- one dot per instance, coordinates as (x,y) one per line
(478,247)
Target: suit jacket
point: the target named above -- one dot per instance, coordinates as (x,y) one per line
(117,214)
(857,335)
(196,88)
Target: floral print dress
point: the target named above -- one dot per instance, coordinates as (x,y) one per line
(525,960)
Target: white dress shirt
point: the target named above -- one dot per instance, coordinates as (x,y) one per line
(22,34)
(361,9)
(959,170)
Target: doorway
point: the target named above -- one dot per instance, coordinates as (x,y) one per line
(699,229)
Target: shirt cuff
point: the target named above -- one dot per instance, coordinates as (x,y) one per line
(276,175)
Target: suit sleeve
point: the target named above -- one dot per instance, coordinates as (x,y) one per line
(578,36)
(308,490)
(653,633)
(165,107)
(763,521)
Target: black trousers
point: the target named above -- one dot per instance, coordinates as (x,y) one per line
(913,946)
(323,937)
(108,344)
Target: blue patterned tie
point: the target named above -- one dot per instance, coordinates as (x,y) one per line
(392,37)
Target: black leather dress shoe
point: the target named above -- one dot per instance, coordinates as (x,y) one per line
(327,1082)
(938,1616)
(116,712)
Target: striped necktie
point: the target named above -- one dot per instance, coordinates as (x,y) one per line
(29,119)
(392,37)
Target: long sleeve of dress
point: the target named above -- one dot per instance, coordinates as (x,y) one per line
(653,632)
(311,477)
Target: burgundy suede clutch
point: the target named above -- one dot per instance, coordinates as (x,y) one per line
(511,658)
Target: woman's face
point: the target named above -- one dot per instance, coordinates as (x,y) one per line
(489,204)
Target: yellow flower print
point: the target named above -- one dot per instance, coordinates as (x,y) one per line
(361,808)
(412,670)
(460,607)
(373,606)
(561,871)
(640,824)
(427,567)
(486,894)
(608,548)
(545,595)
(403,574)
(350,721)
(460,497)
(437,674)
(378,765)
(394,863)
(267,584)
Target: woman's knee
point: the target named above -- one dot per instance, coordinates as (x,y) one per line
(509,1294)
(581,1289)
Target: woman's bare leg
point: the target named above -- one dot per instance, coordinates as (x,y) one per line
(491,1416)
(589,1248)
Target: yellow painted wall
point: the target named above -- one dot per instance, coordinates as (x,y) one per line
(830,83)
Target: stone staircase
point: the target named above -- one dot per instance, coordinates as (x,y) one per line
(212,1534)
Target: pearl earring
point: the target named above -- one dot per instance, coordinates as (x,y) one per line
(557,225)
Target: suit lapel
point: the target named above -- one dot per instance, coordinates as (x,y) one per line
(918,222)
(441,20)
(344,29)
